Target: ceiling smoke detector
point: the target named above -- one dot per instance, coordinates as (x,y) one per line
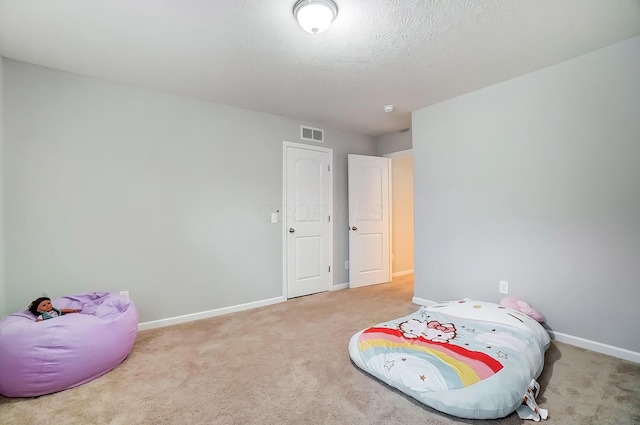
(388,108)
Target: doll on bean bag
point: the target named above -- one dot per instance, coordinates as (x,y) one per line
(44,309)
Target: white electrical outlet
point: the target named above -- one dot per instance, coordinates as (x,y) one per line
(504,287)
(346,264)
(124,294)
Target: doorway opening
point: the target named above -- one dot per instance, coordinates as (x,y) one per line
(402,219)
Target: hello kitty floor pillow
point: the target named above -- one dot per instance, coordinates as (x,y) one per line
(39,358)
(466,358)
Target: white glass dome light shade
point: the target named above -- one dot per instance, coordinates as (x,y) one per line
(315,16)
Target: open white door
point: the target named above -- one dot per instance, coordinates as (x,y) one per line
(308,205)
(369,253)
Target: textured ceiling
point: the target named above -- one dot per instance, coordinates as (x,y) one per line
(252,53)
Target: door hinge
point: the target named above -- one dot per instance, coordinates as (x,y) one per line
(328,167)
(329,269)
(329,218)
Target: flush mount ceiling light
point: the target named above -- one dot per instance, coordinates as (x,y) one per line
(315,16)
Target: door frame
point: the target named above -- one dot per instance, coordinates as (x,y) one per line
(283,225)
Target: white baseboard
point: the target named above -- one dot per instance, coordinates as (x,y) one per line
(598,347)
(206,314)
(219,312)
(422,301)
(402,273)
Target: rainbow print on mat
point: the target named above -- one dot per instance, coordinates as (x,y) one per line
(421,364)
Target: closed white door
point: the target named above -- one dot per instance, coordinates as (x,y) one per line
(308,206)
(369,241)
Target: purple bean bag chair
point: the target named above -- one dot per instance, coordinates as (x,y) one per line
(39,358)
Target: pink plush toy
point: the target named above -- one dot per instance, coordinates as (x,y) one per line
(522,306)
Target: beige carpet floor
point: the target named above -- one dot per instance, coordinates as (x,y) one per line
(288,364)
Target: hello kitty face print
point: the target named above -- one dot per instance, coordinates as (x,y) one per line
(432,330)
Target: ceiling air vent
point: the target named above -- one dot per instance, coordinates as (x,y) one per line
(311,134)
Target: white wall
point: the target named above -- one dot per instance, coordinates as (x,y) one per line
(536,181)
(113,187)
(394,142)
(3,309)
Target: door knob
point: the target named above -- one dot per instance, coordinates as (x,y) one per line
(291,230)
(354,228)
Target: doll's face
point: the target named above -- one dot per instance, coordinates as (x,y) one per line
(45,306)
